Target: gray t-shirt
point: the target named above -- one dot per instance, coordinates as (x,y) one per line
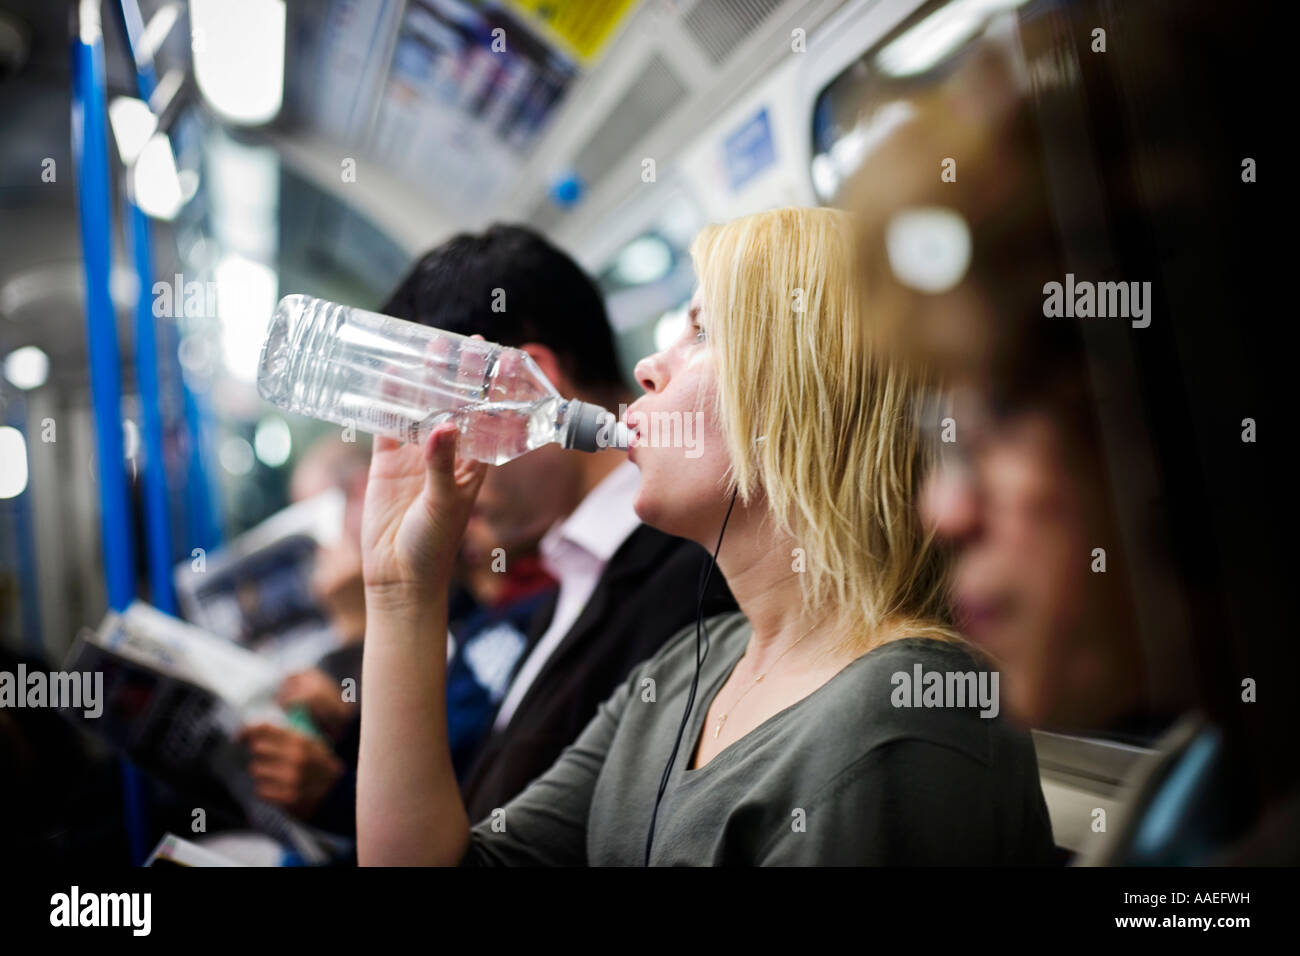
(841,777)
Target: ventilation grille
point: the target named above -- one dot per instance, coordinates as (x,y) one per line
(719,26)
(655,93)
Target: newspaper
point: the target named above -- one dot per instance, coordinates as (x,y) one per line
(256,591)
(174,697)
(173,851)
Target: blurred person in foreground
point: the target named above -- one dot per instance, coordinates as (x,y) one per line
(810,456)
(1100,488)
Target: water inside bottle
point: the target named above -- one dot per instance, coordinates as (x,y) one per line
(495,432)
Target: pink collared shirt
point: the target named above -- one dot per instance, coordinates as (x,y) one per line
(575,552)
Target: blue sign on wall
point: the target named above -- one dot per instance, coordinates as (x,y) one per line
(749,150)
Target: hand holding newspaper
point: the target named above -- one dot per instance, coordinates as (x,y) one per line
(174,698)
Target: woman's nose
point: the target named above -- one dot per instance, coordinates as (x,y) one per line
(650,373)
(950,503)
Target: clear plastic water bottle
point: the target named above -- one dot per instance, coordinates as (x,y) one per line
(401,379)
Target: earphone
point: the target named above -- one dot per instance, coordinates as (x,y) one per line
(705,574)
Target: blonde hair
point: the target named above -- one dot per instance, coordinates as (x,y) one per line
(819,421)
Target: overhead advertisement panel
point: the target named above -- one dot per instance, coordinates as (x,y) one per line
(584,29)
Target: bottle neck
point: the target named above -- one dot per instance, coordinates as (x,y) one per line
(588,427)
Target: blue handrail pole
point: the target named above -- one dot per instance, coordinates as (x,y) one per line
(201,527)
(133,25)
(94,201)
(206,528)
(157,511)
(90,143)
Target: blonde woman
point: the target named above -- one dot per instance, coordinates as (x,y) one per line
(803,744)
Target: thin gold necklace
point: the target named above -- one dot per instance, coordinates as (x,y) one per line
(718,729)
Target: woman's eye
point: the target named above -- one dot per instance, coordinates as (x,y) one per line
(700,336)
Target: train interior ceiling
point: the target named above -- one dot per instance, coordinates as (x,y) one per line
(347,139)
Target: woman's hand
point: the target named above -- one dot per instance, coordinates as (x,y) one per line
(418,501)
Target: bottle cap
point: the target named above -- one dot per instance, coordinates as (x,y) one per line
(594,428)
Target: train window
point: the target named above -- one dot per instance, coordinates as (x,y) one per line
(870,97)
(646,259)
(649,278)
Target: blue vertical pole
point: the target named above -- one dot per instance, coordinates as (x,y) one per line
(157,514)
(201,527)
(206,530)
(90,153)
(158,530)
(90,144)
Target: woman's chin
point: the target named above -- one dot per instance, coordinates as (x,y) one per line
(644,507)
(652,512)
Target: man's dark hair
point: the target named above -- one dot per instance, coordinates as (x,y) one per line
(511,286)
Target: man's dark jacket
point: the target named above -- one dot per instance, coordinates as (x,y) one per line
(646,594)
